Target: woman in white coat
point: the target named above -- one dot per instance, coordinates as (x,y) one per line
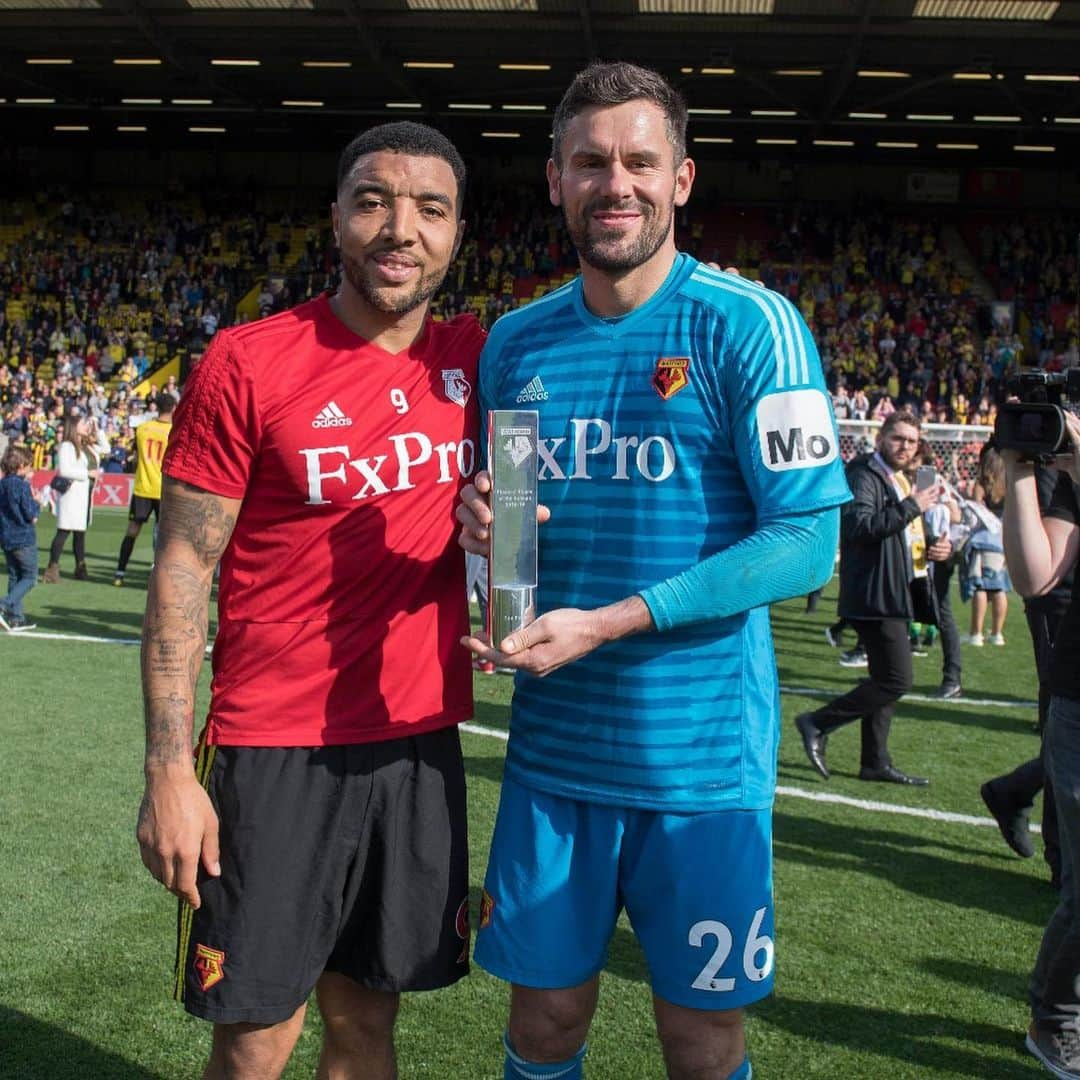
(77,462)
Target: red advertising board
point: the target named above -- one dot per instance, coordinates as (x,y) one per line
(994,186)
(112,490)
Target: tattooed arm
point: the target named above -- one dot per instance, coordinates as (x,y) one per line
(177,825)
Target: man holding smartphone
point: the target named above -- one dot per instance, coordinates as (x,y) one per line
(883,553)
(1041,549)
(937,521)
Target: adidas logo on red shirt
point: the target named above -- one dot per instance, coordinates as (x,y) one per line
(331,416)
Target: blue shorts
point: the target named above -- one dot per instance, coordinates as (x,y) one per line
(697,889)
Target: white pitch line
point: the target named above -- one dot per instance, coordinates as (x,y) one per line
(802,691)
(491,733)
(821,796)
(789,792)
(813,691)
(889,808)
(48,635)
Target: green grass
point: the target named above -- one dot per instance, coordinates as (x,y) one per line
(903,944)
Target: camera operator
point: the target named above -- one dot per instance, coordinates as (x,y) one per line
(1011,796)
(1040,550)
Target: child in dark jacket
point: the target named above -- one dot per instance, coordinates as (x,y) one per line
(18,537)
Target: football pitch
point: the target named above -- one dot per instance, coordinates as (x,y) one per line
(905,930)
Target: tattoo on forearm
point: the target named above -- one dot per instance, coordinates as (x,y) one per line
(168,728)
(172,649)
(197,518)
(177,616)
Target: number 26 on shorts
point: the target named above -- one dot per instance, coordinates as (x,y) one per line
(756,945)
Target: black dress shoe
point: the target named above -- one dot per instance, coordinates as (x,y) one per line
(1011,819)
(889,774)
(813,742)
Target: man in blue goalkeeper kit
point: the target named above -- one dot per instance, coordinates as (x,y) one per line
(688,455)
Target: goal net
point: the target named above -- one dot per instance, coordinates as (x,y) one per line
(954,448)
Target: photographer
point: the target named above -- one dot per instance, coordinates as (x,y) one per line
(1040,550)
(1011,796)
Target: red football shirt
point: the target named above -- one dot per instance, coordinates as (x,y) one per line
(342,593)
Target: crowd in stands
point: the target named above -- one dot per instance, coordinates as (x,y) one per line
(1035,262)
(515,243)
(895,318)
(33,413)
(96,293)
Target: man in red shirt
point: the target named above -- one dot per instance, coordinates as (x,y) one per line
(318,841)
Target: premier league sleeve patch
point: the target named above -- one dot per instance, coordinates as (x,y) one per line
(795,430)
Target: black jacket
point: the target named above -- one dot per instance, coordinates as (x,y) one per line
(875,564)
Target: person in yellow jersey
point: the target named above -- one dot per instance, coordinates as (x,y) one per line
(151,438)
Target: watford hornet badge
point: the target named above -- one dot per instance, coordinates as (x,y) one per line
(671,375)
(209,966)
(456,386)
(462,928)
(487,908)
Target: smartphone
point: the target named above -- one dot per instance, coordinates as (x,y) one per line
(925,475)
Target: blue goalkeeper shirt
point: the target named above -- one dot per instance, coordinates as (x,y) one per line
(666,435)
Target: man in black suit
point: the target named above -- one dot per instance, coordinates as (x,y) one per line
(884,557)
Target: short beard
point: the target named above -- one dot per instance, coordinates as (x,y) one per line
(595,251)
(892,461)
(387,299)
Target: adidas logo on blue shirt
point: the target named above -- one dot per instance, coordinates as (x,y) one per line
(533,391)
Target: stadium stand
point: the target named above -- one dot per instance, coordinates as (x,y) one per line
(103,299)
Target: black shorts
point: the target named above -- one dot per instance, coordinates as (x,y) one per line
(141,509)
(352,859)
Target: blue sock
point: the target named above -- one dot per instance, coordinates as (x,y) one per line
(743,1072)
(518,1068)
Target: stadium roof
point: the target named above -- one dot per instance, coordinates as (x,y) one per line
(947,80)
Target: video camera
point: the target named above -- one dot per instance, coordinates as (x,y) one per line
(1035,425)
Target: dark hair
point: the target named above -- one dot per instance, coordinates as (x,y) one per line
(16,458)
(990,473)
(901,416)
(404,137)
(70,431)
(82,443)
(165,402)
(615,84)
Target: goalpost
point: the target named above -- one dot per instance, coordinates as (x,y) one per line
(954,448)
